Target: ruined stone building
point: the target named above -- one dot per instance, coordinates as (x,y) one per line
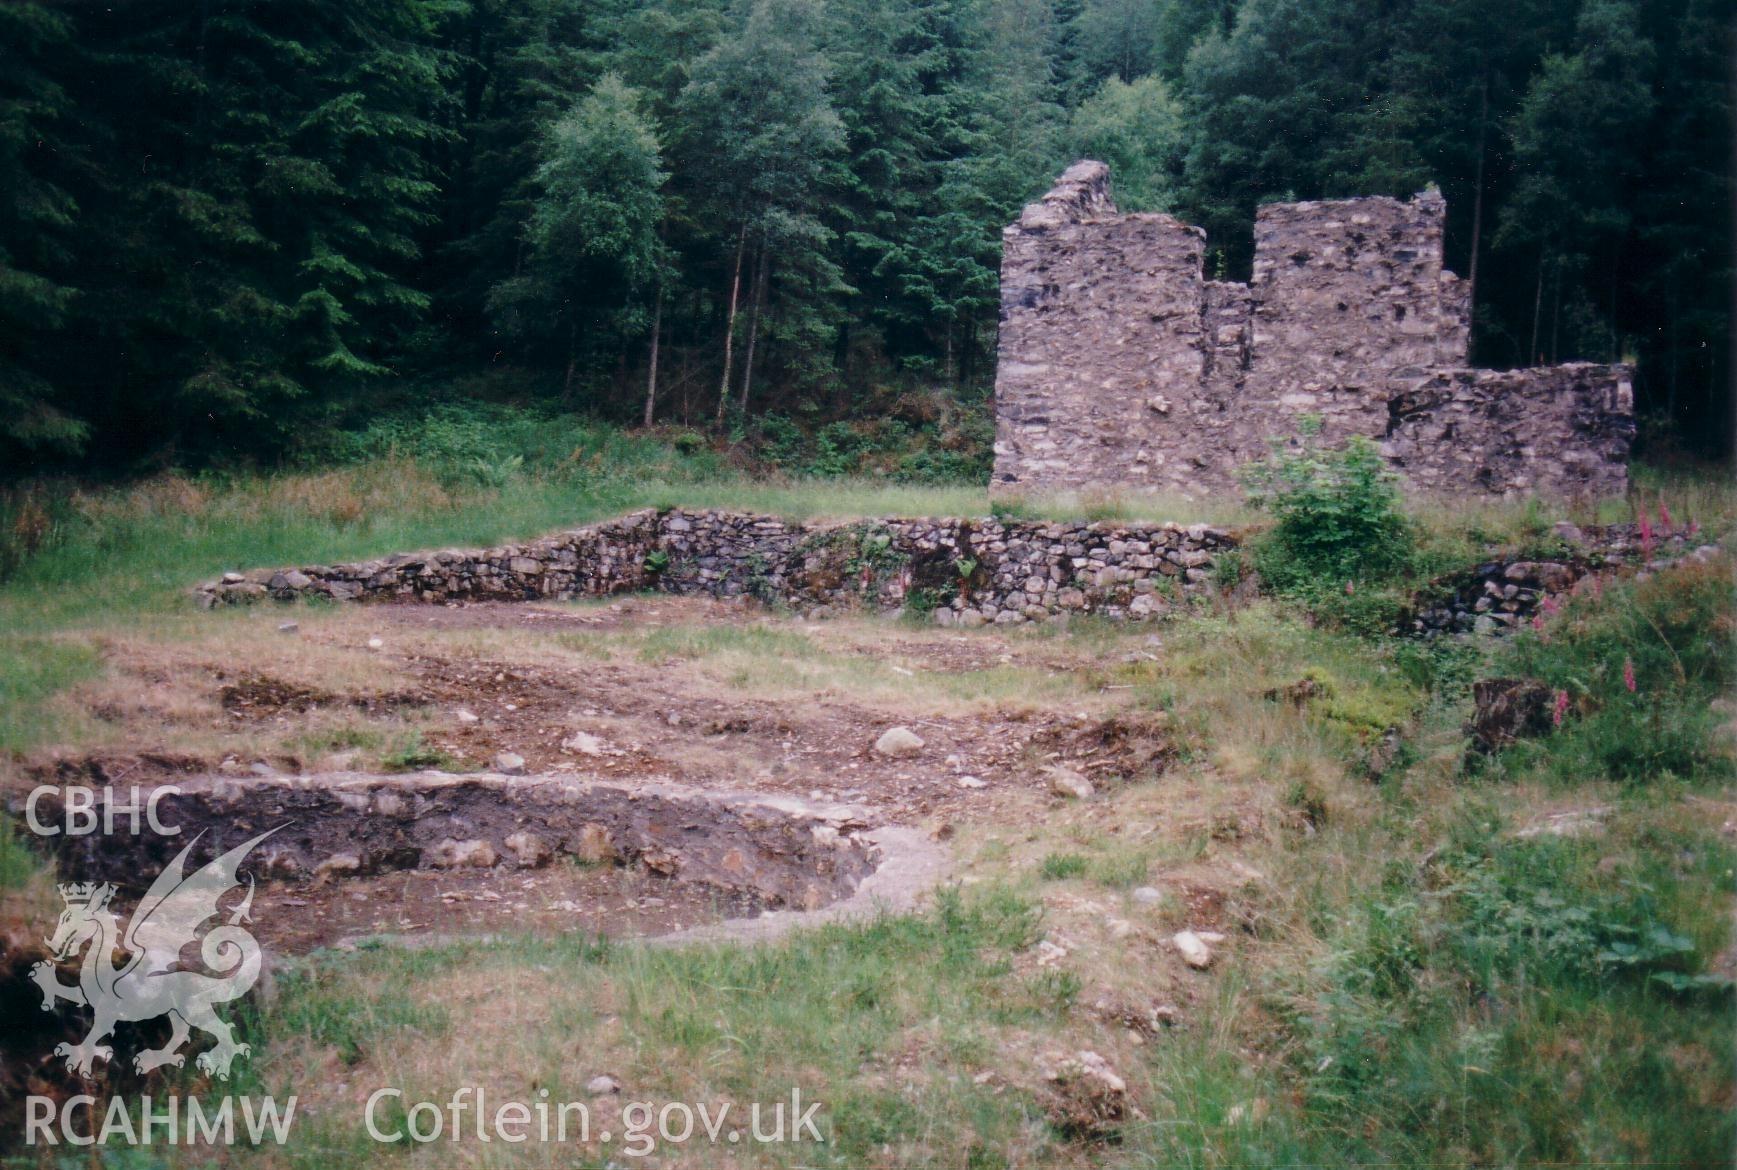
(1122,368)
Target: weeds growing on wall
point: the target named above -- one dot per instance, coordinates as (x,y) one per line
(1636,667)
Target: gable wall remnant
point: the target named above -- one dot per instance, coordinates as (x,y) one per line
(1123,369)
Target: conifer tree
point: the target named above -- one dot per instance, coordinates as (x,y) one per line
(38,226)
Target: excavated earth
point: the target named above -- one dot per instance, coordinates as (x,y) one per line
(352,854)
(685,807)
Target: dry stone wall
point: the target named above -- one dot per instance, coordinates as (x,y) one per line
(1501,596)
(581,562)
(968,572)
(963,572)
(1123,369)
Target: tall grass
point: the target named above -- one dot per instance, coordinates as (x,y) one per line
(79,554)
(713,1023)
(32,671)
(1636,667)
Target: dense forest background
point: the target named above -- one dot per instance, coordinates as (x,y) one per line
(230,227)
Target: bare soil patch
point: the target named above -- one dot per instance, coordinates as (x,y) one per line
(605,901)
(589,689)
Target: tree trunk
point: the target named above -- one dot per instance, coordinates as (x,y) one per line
(1555,311)
(730,323)
(1477,210)
(1615,287)
(1533,357)
(572,356)
(758,302)
(651,377)
(1671,344)
(841,364)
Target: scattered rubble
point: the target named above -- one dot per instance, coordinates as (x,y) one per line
(1069,784)
(1087,1098)
(1508,709)
(1193,949)
(899,743)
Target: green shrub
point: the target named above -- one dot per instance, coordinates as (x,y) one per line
(781,442)
(836,448)
(936,439)
(1365,609)
(489,445)
(1058,867)
(412,755)
(1338,518)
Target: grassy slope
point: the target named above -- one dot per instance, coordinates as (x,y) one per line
(1416,983)
(87,560)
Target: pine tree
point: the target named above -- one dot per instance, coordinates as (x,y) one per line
(759,131)
(1572,206)
(1274,108)
(517,67)
(1677,310)
(264,183)
(38,224)
(1115,39)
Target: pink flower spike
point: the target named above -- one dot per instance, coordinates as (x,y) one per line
(1694,527)
(1646,536)
(1665,516)
(1628,674)
(1348,589)
(1561,708)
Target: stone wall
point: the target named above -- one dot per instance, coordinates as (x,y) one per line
(1501,596)
(581,562)
(968,572)
(1510,432)
(1117,336)
(1123,369)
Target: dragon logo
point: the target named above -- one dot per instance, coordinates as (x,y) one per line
(152,982)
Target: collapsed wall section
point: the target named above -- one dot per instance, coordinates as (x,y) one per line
(1555,432)
(966,572)
(581,562)
(1122,369)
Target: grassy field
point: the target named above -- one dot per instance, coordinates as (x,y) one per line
(1414,972)
(77,560)
(1421,965)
